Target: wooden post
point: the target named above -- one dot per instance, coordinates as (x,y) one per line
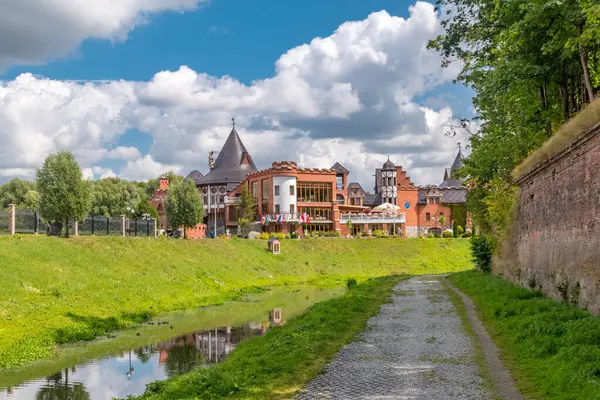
(11,219)
(76,228)
(155,228)
(123,225)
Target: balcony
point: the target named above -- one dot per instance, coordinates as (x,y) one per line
(381,218)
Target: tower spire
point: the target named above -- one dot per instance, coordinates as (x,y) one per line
(233,123)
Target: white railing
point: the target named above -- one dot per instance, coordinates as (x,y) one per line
(379,218)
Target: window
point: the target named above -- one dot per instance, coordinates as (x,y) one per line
(277,209)
(316,213)
(265,196)
(255,190)
(437,200)
(292,190)
(276,190)
(427,217)
(339,182)
(292,209)
(315,192)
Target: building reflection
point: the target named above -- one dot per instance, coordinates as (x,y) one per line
(184,353)
(177,356)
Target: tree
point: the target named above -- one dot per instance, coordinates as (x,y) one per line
(349,226)
(442,220)
(532,65)
(16,192)
(246,209)
(143,209)
(114,197)
(152,184)
(184,205)
(64,195)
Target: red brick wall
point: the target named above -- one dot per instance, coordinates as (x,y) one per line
(554,244)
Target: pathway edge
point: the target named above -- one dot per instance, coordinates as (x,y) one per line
(505,385)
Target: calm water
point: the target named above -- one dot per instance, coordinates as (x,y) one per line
(124,365)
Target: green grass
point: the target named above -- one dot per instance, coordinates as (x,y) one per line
(56,291)
(281,362)
(551,348)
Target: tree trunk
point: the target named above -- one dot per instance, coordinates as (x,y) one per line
(586,70)
(564,93)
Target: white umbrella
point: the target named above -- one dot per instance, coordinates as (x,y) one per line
(386,207)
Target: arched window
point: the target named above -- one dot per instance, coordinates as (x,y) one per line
(428,217)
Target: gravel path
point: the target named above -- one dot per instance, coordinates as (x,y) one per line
(416,348)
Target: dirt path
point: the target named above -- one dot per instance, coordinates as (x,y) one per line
(415,348)
(504,383)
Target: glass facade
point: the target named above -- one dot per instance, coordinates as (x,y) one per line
(317,227)
(315,192)
(265,196)
(254,190)
(316,213)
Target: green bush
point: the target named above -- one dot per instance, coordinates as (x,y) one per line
(455,229)
(447,234)
(466,235)
(460,230)
(380,234)
(350,283)
(264,236)
(294,235)
(431,235)
(482,248)
(276,235)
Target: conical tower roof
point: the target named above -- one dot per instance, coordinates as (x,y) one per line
(458,161)
(233,163)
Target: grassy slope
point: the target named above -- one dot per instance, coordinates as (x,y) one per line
(553,349)
(58,290)
(278,364)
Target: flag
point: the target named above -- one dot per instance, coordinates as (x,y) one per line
(279,219)
(299,218)
(268,221)
(262,219)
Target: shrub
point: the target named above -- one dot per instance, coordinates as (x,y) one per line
(363,234)
(466,235)
(276,235)
(264,236)
(455,229)
(431,235)
(482,248)
(460,230)
(294,235)
(350,283)
(446,234)
(380,234)
(288,236)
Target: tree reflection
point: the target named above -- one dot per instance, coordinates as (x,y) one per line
(57,389)
(182,358)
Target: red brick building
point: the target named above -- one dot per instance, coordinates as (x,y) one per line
(294,199)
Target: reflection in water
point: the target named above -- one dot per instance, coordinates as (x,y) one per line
(128,373)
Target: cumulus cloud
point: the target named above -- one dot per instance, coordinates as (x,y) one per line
(349,97)
(40,30)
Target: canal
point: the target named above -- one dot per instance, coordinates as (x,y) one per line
(125,362)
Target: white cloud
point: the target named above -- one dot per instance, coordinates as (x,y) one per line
(350,97)
(145,167)
(40,29)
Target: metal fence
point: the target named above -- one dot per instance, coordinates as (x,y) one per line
(31,222)
(3,223)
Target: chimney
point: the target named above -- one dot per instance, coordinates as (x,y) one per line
(163,184)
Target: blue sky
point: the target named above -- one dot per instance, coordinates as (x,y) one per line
(242,40)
